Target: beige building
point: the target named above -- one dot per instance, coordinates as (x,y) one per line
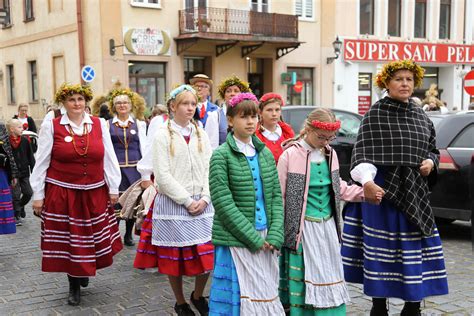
(151,45)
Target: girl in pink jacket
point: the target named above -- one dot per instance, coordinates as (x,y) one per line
(311,268)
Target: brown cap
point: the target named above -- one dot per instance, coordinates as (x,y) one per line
(200,77)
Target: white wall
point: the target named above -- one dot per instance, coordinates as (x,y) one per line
(451,83)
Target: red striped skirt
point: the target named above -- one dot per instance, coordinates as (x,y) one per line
(175,261)
(79,232)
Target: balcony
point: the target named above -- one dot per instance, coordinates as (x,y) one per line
(231,27)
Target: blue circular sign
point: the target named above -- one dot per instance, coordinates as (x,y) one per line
(87,73)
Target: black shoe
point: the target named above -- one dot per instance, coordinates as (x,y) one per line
(22,212)
(127,238)
(379,307)
(74,298)
(411,309)
(128,241)
(201,305)
(84,282)
(183,310)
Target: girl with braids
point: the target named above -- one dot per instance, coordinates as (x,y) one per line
(271,130)
(248,227)
(311,274)
(181,217)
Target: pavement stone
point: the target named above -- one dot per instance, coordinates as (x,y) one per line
(123,290)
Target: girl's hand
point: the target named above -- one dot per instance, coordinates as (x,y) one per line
(38,207)
(113,198)
(373,193)
(426,167)
(145,184)
(193,208)
(201,206)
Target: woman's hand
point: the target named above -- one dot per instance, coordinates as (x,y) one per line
(38,207)
(373,193)
(14,182)
(145,184)
(426,167)
(113,198)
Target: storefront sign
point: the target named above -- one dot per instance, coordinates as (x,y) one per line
(363,50)
(288,78)
(364,104)
(146,41)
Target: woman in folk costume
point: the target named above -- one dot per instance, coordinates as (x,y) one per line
(8,176)
(271,130)
(75,183)
(248,227)
(312,278)
(394,248)
(128,132)
(181,218)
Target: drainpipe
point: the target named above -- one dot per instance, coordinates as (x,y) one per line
(80,35)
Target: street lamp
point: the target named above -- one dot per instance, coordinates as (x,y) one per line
(337,44)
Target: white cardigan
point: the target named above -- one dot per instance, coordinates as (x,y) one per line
(186,173)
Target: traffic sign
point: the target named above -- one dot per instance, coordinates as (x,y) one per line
(298,87)
(87,73)
(469,82)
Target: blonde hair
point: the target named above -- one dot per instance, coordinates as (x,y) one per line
(158,110)
(176,102)
(11,123)
(319,114)
(22,105)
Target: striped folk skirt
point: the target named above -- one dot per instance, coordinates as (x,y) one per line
(79,232)
(176,261)
(7,218)
(386,253)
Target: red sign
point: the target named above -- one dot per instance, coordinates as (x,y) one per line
(469,82)
(364,104)
(362,50)
(298,87)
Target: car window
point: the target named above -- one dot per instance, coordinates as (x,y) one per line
(465,139)
(349,124)
(296,118)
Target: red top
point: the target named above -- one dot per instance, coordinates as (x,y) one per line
(67,167)
(275,146)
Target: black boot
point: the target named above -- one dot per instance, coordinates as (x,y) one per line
(379,307)
(127,238)
(74,291)
(84,282)
(411,309)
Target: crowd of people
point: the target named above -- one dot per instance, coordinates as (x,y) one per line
(231,191)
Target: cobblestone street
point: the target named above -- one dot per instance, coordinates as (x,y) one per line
(121,289)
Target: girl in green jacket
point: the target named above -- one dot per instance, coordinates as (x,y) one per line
(248,222)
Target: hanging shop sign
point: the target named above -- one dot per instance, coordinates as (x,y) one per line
(364,50)
(146,41)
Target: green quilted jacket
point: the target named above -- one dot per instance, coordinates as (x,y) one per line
(232,193)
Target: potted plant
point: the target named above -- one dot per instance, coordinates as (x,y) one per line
(203,24)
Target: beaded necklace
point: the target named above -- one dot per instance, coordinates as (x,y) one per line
(85,131)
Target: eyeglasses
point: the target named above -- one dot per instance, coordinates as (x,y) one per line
(201,86)
(328,139)
(121,103)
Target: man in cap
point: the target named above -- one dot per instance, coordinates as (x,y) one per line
(209,114)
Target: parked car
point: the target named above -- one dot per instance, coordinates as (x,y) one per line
(452,196)
(345,137)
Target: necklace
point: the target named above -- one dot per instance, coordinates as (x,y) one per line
(126,135)
(85,132)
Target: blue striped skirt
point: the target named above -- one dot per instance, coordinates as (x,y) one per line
(7,218)
(388,254)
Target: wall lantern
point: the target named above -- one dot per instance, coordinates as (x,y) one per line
(337,45)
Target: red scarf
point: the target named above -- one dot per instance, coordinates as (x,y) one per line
(15,141)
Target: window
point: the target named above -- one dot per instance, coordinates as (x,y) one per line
(366,17)
(394,17)
(194,66)
(445,19)
(465,139)
(148,80)
(33,81)
(304,80)
(11,84)
(154,4)
(28,9)
(5,7)
(260,5)
(304,9)
(420,19)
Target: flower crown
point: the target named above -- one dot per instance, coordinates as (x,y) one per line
(242,97)
(327,126)
(269,96)
(117,92)
(66,90)
(184,87)
(233,81)
(389,69)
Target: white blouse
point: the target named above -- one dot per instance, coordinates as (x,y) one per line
(45,145)
(316,155)
(248,149)
(272,136)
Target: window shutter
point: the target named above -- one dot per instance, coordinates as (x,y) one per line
(309,9)
(299,7)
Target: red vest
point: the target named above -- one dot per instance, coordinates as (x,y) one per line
(68,168)
(275,146)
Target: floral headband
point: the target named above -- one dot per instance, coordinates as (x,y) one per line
(389,69)
(327,126)
(269,96)
(233,81)
(184,87)
(66,90)
(118,92)
(242,97)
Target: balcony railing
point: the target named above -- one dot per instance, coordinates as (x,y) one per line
(239,22)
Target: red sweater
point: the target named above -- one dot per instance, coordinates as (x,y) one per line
(275,146)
